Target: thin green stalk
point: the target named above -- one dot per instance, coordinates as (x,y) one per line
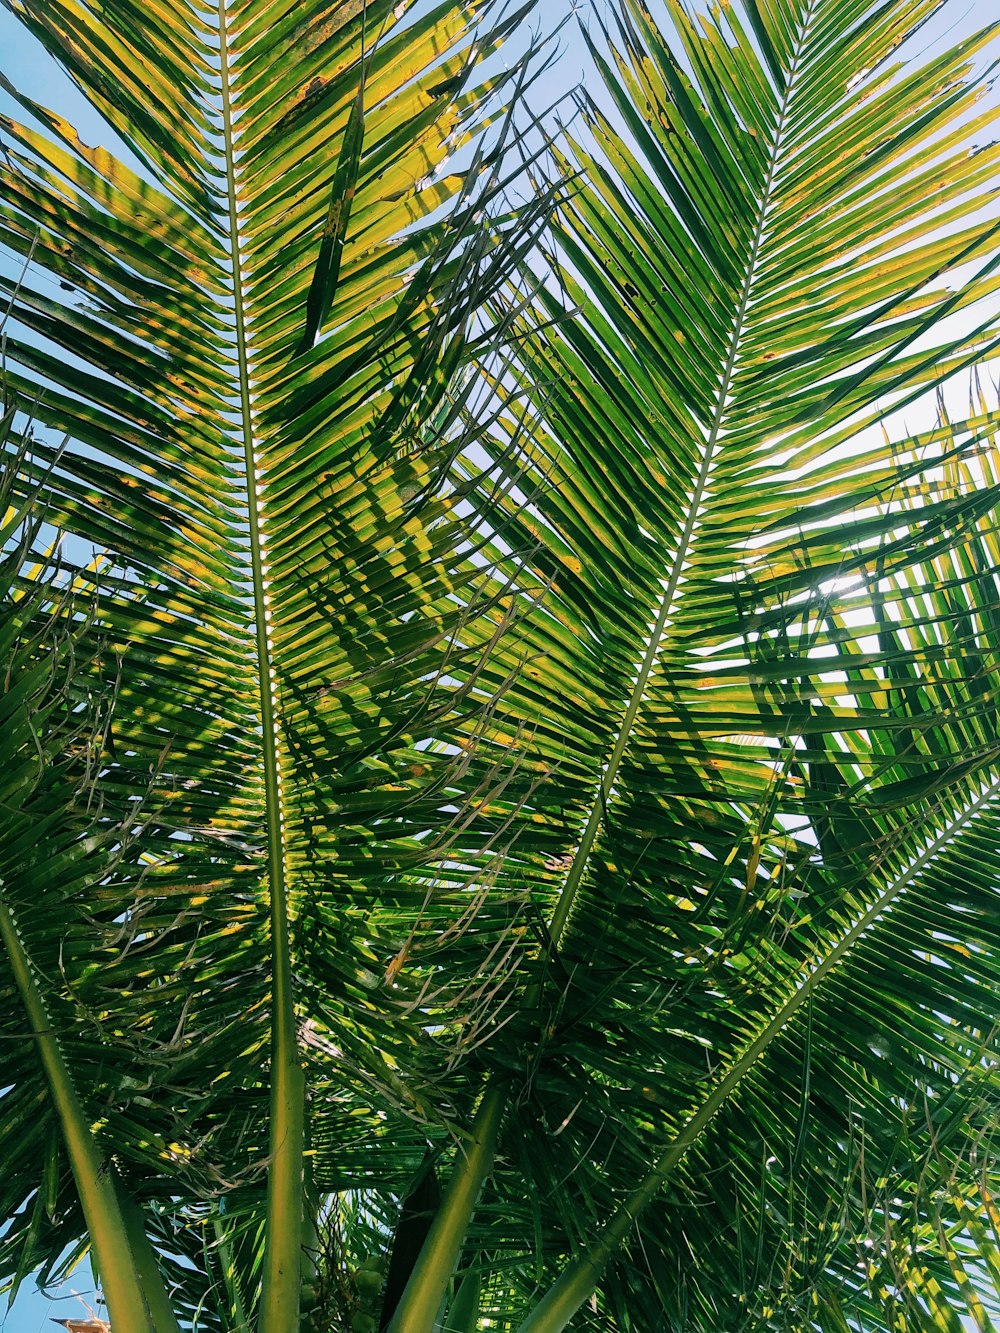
(237,1313)
(279,1308)
(442,1249)
(146,1264)
(463,1313)
(420,1304)
(130,1293)
(579,1280)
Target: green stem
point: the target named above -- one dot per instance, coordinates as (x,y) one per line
(279,1308)
(129,1300)
(463,1313)
(146,1263)
(579,1280)
(231,1281)
(420,1304)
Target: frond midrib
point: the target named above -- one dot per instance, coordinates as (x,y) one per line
(277,874)
(284,1211)
(816,974)
(688,536)
(576,1281)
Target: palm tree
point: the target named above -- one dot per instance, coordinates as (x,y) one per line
(502,790)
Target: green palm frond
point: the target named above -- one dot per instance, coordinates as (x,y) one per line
(558,751)
(259,370)
(758,697)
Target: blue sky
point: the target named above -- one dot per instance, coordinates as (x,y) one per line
(23,63)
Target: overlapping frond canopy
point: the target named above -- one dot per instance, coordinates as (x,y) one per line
(619,734)
(234,341)
(758,697)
